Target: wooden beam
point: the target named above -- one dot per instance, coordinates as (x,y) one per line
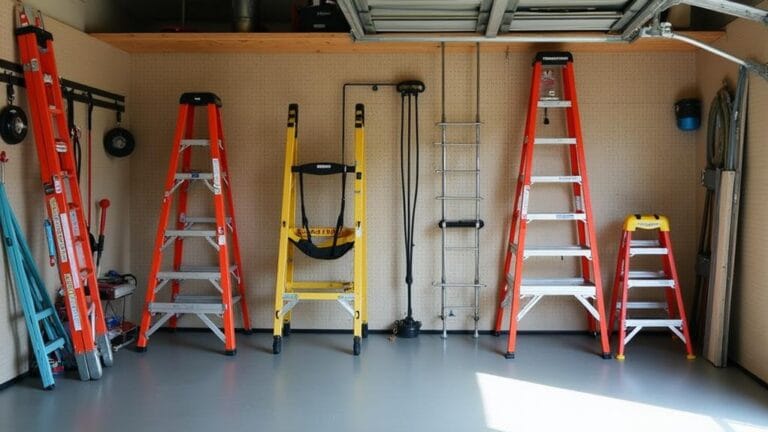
(336,43)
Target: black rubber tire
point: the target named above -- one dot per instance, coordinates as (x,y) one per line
(13,124)
(119,142)
(365,330)
(286,328)
(356,345)
(277,345)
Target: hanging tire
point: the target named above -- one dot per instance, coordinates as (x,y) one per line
(13,124)
(119,142)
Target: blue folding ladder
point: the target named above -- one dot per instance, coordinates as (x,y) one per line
(46,332)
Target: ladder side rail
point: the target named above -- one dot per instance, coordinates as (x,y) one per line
(230,210)
(624,258)
(618,279)
(360,234)
(575,123)
(181,209)
(530,135)
(157,253)
(666,265)
(666,241)
(476,316)
(221,231)
(443,218)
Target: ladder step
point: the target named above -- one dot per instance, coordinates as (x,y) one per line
(555,179)
(55,345)
(458,198)
(192,304)
(642,274)
(190,233)
(650,322)
(555,141)
(541,251)
(44,314)
(196,142)
(456,144)
(463,223)
(459,307)
(557,286)
(458,285)
(651,282)
(556,216)
(646,247)
(194,273)
(457,171)
(643,305)
(203,220)
(554,104)
(461,248)
(55,110)
(459,124)
(194,176)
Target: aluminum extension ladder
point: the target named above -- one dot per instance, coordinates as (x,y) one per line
(219,231)
(47,334)
(586,288)
(449,227)
(63,201)
(665,314)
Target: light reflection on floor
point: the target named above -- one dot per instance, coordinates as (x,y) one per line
(514,405)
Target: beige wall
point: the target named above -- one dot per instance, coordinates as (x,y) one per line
(83,59)
(639,162)
(750,298)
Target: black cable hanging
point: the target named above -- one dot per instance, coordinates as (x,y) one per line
(409,178)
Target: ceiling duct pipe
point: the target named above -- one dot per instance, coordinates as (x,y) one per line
(243,15)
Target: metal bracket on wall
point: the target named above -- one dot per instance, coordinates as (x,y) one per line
(80,92)
(664,30)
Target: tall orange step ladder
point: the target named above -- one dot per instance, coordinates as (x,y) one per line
(219,231)
(664,314)
(586,288)
(63,201)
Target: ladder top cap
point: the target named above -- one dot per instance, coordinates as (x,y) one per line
(553,57)
(646,222)
(199,99)
(42,35)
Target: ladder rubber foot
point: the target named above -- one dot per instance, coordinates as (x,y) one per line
(606,356)
(287,329)
(690,357)
(230,353)
(365,330)
(496,333)
(509,355)
(50,387)
(356,345)
(620,357)
(140,349)
(247,332)
(277,344)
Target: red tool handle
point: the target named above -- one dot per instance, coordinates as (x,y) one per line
(104,204)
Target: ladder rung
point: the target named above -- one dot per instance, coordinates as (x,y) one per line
(541,251)
(55,345)
(203,219)
(458,285)
(449,124)
(459,198)
(457,171)
(557,286)
(463,223)
(461,248)
(456,144)
(190,233)
(192,304)
(554,104)
(194,176)
(651,282)
(194,272)
(555,141)
(196,142)
(642,274)
(44,314)
(55,110)
(555,179)
(556,216)
(650,322)
(646,247)
(643,305)
(644,243)
(460,307)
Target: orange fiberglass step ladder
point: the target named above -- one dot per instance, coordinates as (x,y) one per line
(586,288)
(665,314)
(219,231)
(63,202)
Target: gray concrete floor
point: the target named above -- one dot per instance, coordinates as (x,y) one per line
(556,383)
